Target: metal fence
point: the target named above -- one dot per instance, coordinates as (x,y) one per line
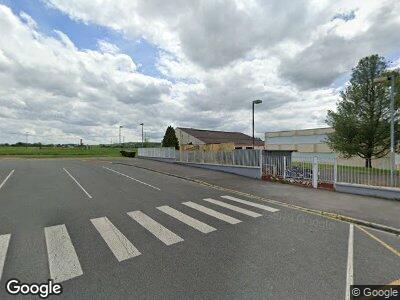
(166,152)
(239,157)
(317,171)
(379,175)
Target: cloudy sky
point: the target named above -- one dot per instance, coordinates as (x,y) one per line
(73,69)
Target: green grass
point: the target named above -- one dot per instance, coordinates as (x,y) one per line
(60,152)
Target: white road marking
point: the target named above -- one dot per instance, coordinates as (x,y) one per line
(4,241)
(212,213)
(5,180)
(137,180)
(349,277)
(63,261)
(118,243)
(233,207)
(264,207)
(163,234)
(76,181)
(188,220)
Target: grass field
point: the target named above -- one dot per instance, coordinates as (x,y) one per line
(60,152)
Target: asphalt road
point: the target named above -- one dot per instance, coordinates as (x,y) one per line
(68,220)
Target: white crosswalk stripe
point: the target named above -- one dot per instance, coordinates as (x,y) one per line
(233,207)
(63,261)
(4,241)
(120,246)
(264,207)
(212,213)
(163,234)
(192,222)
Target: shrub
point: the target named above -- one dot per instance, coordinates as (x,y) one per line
(128,153)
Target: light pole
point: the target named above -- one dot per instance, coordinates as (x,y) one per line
(142,133)
(390,78)
(119,139)
(253,103)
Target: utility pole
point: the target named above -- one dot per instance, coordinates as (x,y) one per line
(26,140)
(142,134)
(390,78)
(392,137)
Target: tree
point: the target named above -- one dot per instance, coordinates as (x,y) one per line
(170,139)
(362,120)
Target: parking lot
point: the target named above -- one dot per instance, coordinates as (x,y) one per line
(104,229)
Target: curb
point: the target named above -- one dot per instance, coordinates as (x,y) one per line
(329,215)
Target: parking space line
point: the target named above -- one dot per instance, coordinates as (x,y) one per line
(5,180)
(163,234)
(264,207)
(188,220)
(212,213)
(137,180)
(234,208)
(63,261)
(76,181)
(387,246)
(4,241)
(120,246)
(349,274)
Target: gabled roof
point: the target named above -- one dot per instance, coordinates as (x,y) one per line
(219,137)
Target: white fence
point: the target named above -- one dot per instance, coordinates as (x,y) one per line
(240,157)
(379,175)
(245,157)
(165,152)
(316,171)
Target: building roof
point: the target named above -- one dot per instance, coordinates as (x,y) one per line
(219,137)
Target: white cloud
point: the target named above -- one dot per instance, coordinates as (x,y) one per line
(107,47)
(217,56)
(47,85)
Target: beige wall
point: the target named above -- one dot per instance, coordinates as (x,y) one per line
(185,138)
(307,140)
(301,147)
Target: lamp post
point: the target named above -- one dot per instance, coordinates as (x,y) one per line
(383,79)
(142,134)
(253,103)
(119,136)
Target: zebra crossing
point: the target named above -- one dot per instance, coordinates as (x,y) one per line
(63,260)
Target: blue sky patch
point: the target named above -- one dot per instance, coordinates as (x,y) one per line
(86,36)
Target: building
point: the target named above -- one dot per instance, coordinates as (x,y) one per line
(306,140)
(312,143)
(226,139)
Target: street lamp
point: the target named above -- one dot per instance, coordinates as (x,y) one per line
(253,103)
(384,79)
(119,137)
(142,133)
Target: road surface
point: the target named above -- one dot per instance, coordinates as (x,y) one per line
(104,230)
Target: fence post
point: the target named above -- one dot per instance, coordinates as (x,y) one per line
(260,162)
(233,157)
(315,172)
(334,172)
(284,167)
